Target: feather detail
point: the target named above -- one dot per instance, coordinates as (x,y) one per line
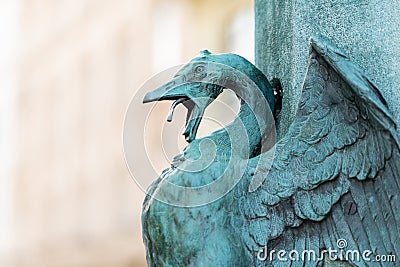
(340,150)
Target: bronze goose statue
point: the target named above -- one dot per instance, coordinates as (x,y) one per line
(331,187)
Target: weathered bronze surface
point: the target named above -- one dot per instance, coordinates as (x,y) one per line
(331,183)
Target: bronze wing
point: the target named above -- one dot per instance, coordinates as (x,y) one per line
(335,179)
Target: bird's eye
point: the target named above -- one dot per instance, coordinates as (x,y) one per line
(199,69)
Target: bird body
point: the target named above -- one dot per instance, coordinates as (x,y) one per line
(203,229)
(333,177)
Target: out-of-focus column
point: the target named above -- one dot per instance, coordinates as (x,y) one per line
(367,30)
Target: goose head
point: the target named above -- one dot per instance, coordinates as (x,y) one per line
(193,87)
(198,83)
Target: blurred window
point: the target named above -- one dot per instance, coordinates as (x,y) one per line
(240,34)
(167,35)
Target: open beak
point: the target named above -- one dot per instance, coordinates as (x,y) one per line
(169,91)
(173,90)
(177,90)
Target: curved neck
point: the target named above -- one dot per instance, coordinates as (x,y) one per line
(254,119)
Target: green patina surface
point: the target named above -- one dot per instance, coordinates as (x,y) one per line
(332,182)
(368,30)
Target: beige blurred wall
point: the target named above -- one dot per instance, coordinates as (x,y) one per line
(69,72)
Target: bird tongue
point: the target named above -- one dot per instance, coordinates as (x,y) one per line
(173,106)
(191,123)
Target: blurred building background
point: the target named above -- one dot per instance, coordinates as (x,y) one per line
(68,69)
